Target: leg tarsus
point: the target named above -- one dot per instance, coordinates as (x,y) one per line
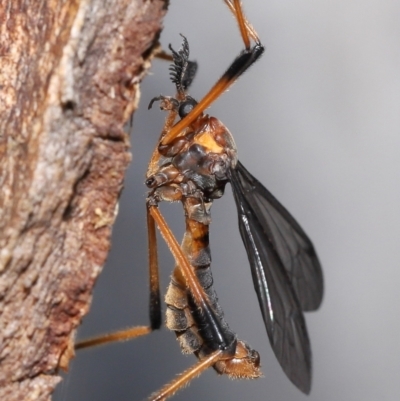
(122,335)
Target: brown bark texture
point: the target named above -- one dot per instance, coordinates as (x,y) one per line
(69,80)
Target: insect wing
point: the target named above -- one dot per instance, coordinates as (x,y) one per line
(280,307)
(294,248)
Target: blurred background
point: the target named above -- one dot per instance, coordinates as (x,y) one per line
(317,120)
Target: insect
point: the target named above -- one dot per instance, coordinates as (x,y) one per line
(193,161)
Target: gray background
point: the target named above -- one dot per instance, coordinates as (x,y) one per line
(317,121)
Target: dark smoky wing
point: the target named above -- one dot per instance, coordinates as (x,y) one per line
(280,308)
(294,248)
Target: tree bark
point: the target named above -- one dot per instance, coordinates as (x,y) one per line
(69,80)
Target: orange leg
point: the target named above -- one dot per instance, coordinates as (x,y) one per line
(246,29)
(238,67)
(155,303)
(199,296)
(194,287)
(186,377)
(238,13)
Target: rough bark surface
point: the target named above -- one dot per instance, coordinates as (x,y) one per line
(69,80)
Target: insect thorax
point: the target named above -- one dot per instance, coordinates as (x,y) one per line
(196,162)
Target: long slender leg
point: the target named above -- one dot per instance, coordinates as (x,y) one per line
(122,335)
(155,304)
(248,27)
(238,12)
(185,377)
(239,65)
(196,290)
(180,258)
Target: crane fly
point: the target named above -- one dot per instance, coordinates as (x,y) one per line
(193,161)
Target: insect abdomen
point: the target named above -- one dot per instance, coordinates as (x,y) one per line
(180,316)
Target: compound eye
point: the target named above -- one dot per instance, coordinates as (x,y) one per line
(186,107)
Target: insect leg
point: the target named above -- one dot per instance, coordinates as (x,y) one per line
(237,11)
(155,304)
(122,335)
(239,65)
(185,377)
(211,321)
(197,291)
(246,29)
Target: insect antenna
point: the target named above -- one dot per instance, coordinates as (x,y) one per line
(182,71)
